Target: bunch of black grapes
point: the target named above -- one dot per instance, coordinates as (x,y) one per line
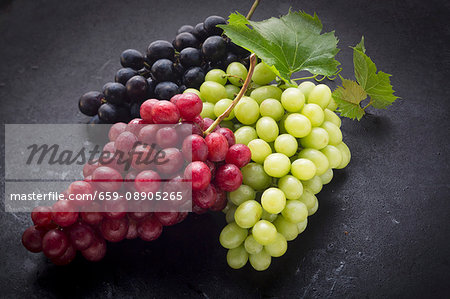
(166,69)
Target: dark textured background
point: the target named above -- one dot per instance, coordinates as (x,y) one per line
(393,199)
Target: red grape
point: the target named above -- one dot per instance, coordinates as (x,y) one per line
(108,148)
(125,142)
(228,134)
(142,157)
(167,218)
(64,213)
(115,130)
(135,125)
(173,161)
(205,198)
(197,210)
(228,177)
(96,251)
(189,105)
(89,168)
(107,179)
(199,173)
(116,209)
(80,188)
(132,229)
(167,137)
(68,256)
(147,134)
(42,216)
(114,230)
(81,236)
(195,148)
(91,214)
(175,98)
(54,243)
(212,167)
(147,181)
(207,122)
(165,112)
(149,229)
(184,129)
(146,109)
(221,201)
(182,216)
(239,155)
(32,239)
(217,147)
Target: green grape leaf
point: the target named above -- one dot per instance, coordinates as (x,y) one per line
(349,97)
(287,44)
(377,85)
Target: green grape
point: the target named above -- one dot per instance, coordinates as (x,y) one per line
(252,246)
(332,117)
(232,91)
(266,92)
(333,155)
(286,144)
(227,124)
(216,75)
(212,91)
(247,111)
(314,113)
(278,247)
(229,217)
(292,99)
(346,155)
(238,125)
(291,187)
(271,108)
(248,213)
(259,149)
(317,139)
(314,209)
(273,200)
(264,232)
(295,211)
(221,106)
(334,133)
(237,257)
(320,95)
(241,194)
(297,125)
(314,184)
(281,126)
(332,105)
(245,134)
(260,261)
(262,74)
(227,207)
(303,169)
(232,235)
(288,229)
(317,157)
(208,110)
(308,199)
(253,175)
(277,165)
(327,176)
(237,72)
(193,90)
(267,129)
(301,226)
(268,216)
(306,87)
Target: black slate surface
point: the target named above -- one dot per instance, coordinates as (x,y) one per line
(393,199)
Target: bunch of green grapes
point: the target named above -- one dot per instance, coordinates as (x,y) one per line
(295,142)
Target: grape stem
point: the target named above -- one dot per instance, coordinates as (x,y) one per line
(238,97)
(252,9)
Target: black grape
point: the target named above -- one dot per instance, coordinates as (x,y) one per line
(132,58)
(210,25)
(136,88)
(95,120)
(200,32)
(182,88)
(231,57)
(238,50)
(90,102)
(194,77)
(185,28)
(123,75)
(109,113)
(151,84)
(115,93)
(163,70)
(184,40)
(134,111)
(190,57)
(160,49)
(214,48)
(166,90)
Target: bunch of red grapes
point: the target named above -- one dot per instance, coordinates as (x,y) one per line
(211,163)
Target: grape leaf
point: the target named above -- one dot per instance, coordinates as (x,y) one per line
(377,85)
(348,97)
(289,44)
